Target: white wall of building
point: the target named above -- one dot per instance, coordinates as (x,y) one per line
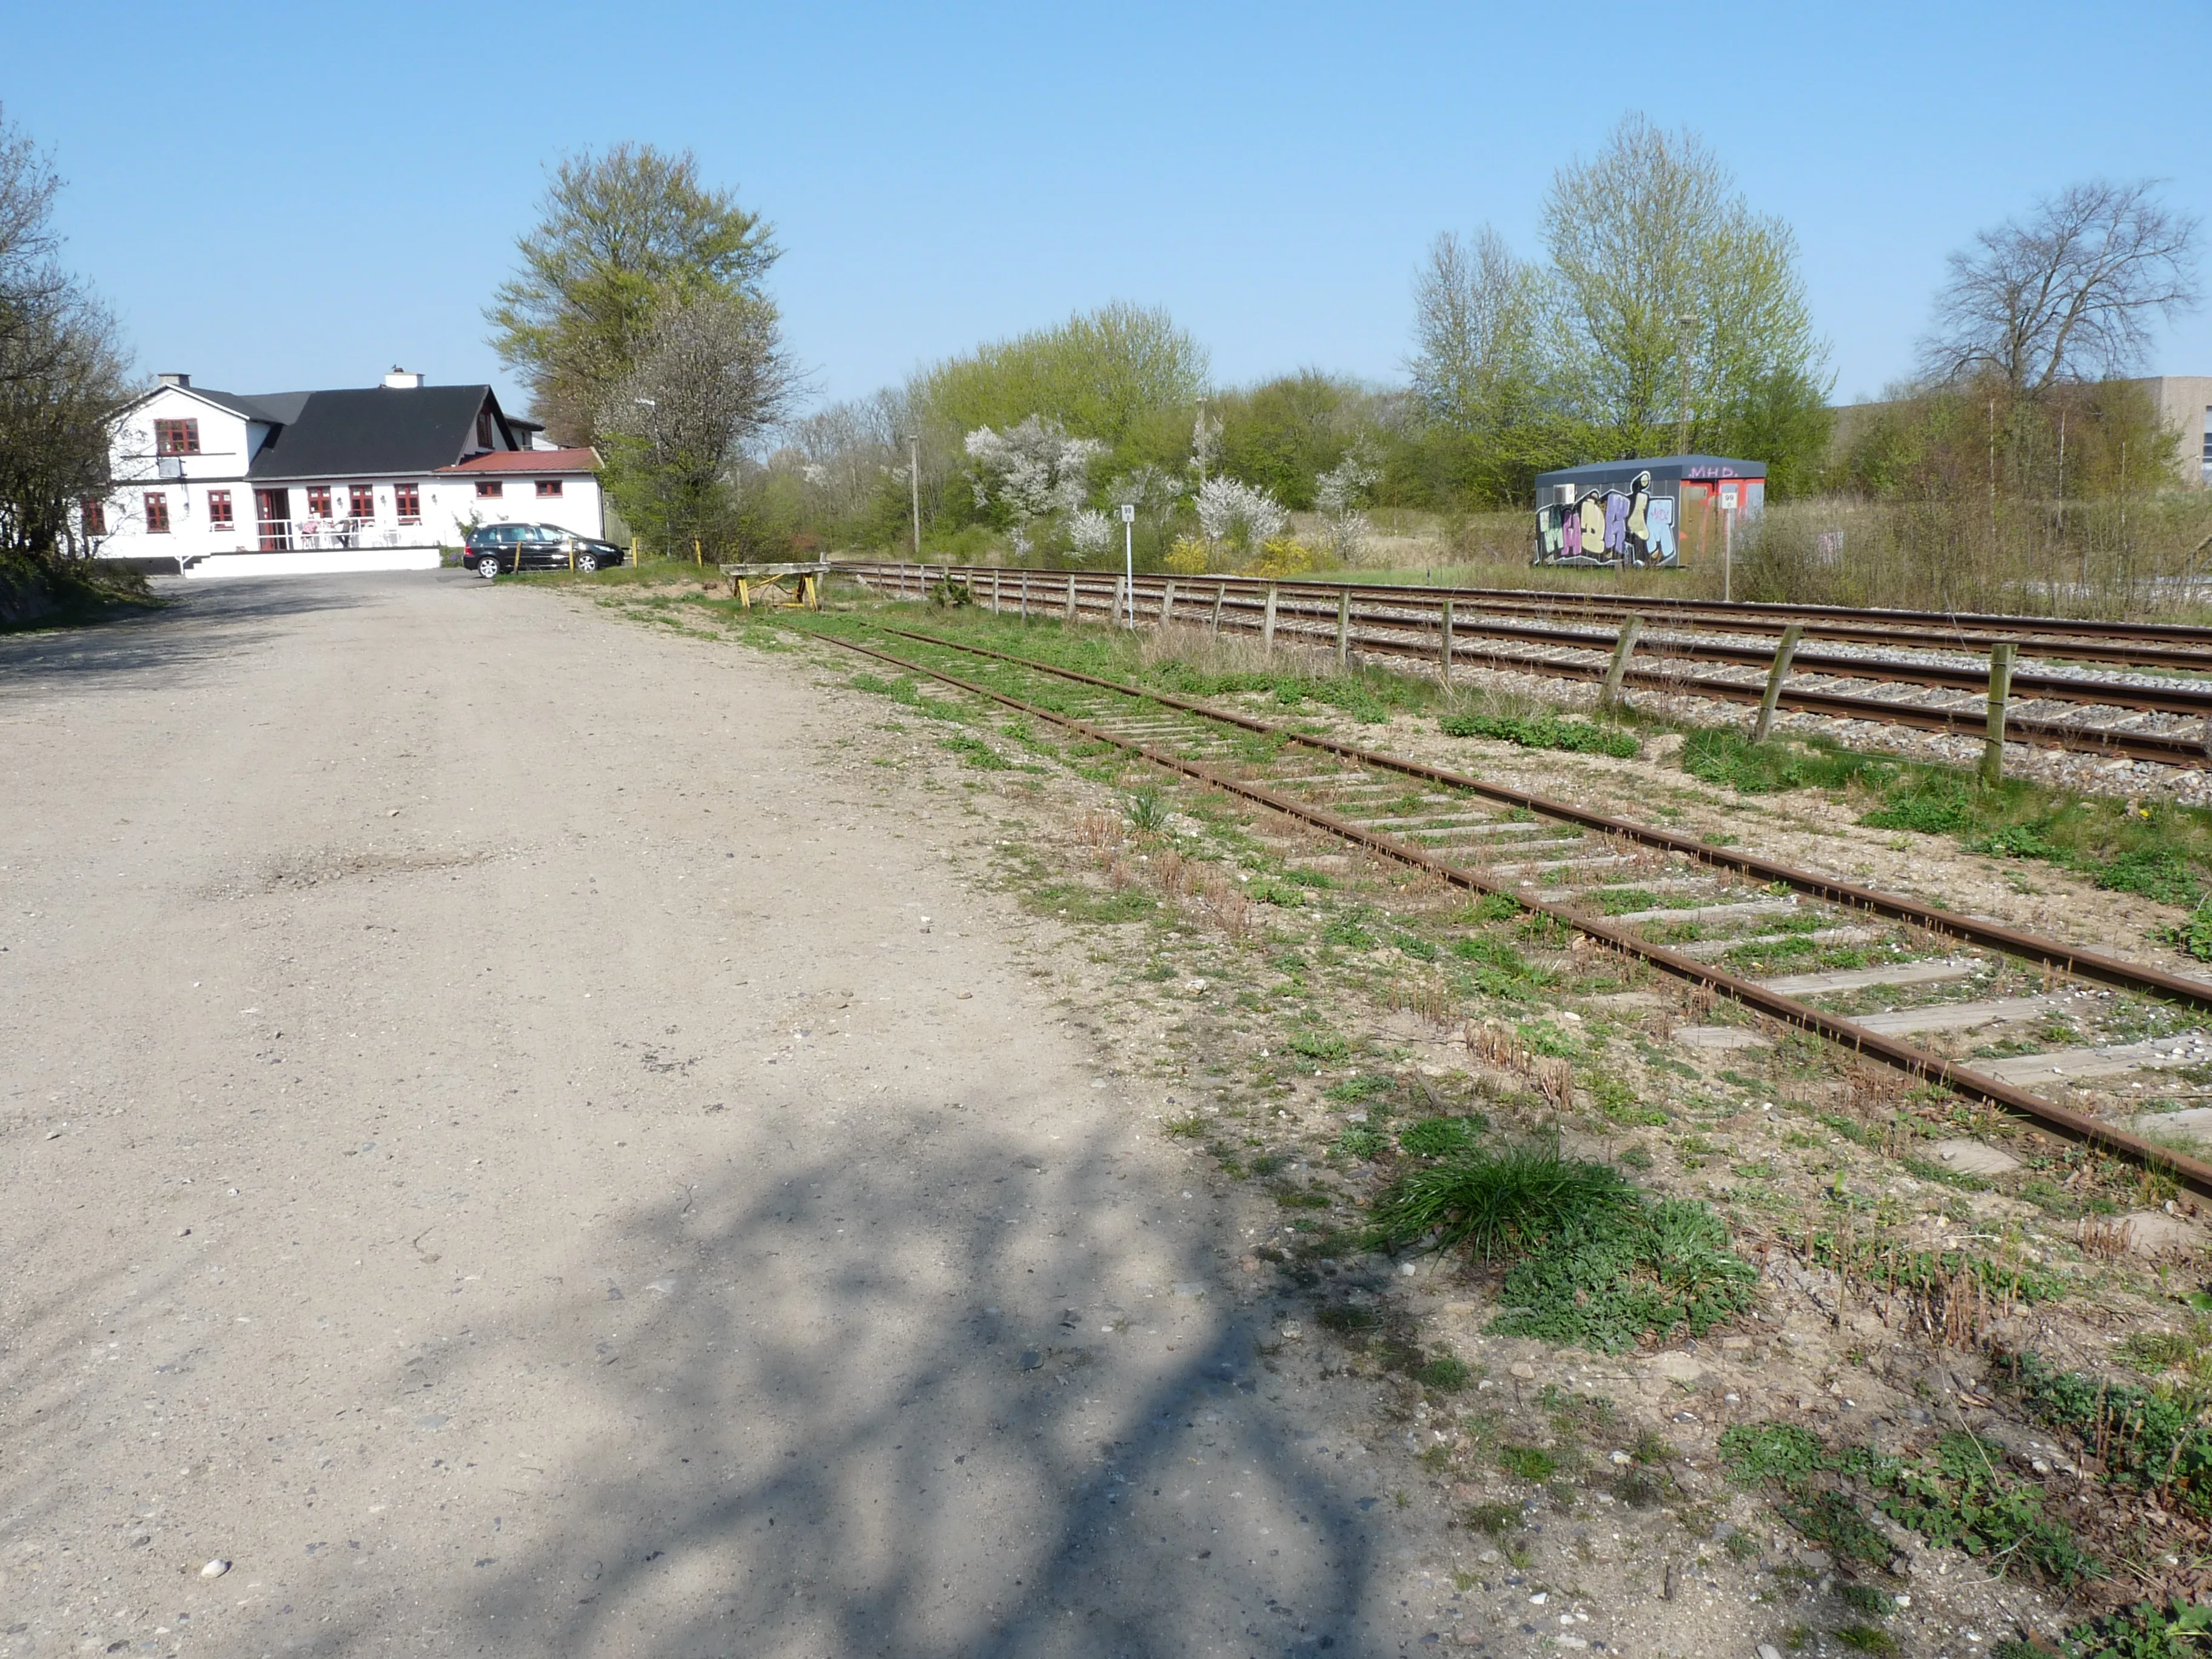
(577,508)
(449,505)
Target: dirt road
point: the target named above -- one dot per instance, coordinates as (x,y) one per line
(495,1153)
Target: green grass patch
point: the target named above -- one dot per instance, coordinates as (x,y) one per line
(1367,1085)
(1542,731)
(1527,1462)
(1954,1494)
(2155,1441)
(976,753)
(1363,1143)
(1719,755)
(2146,1631)
(1441,1137)
(1593,1262)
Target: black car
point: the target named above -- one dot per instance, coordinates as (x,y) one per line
(497,549)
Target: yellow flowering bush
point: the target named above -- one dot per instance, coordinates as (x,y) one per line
(1282,555)
(1187,558)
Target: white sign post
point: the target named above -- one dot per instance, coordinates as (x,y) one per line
(1129,558)
(1728,540)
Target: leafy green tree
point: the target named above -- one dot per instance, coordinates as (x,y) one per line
(1680,318)
(620,235)
(1123,374)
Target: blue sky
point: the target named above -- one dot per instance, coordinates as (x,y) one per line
(301,195)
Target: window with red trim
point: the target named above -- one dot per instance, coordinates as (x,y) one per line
(157,512)
(490,487)
(409,500)
(95,517)
(548,486)
(219,509)
(360,501)
(319,502)
(176,437)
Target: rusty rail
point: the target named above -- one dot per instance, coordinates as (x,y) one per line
(1314,613)
(1848,1034)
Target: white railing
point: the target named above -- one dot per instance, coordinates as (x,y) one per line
(316,535)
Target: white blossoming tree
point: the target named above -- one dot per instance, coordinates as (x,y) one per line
(1032,472)
(1231,511)
(1339,493)
(1092,532)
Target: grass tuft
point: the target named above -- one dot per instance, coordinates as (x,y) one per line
(1495,1204)
(1542,731)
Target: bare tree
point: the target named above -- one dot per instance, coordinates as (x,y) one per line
(711,376)
(2068,293)
(1477,329)
(61,369)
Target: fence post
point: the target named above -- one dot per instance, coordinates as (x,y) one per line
(1999,695)
(997,576)
(1343,627)
(1167,605)
(1623,647)
(1070,598)
(1026,596)
(1775,676)
(1220,589)
(1445,646)
(1268,624)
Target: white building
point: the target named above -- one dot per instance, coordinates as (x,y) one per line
(372,478)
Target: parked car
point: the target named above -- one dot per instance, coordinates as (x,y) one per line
(497,549)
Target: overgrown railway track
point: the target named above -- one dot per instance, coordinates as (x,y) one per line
(1683,648)
(1703,913)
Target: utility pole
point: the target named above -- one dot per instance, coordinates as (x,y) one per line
(913,485)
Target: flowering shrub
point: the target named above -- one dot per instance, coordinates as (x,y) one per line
(1034,471)
(1282,555)
(1091,531)
(1187,558)
(1230,511)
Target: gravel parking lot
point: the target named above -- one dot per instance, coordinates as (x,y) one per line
(517,1144)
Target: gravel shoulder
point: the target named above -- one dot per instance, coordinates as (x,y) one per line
(519,1142)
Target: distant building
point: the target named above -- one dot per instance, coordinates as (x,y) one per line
(2184,405)
(363,479)
(1652,511)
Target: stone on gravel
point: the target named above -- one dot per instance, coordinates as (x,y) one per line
(2153,1233)
(215,1569)
(1976,1158)
(1677,1367)
(1719,1037)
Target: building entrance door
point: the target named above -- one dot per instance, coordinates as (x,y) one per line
(273,508)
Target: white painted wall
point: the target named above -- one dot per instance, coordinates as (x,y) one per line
(227,440)
(577,508)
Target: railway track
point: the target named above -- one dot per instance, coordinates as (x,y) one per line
(2050,1017)
(1701,653)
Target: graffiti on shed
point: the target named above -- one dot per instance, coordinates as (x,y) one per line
(1647,514)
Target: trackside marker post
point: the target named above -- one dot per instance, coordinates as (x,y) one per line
(1782,655)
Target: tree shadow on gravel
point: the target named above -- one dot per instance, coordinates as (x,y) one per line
(846,1408)
(197,622)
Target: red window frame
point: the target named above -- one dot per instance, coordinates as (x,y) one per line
(319,500)
(488,487)
(219,509)
(157,512)
(360,501)
(94,515)
(549,487)
(176,437)
(408,498)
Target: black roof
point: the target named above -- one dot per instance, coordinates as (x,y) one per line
(368,431)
